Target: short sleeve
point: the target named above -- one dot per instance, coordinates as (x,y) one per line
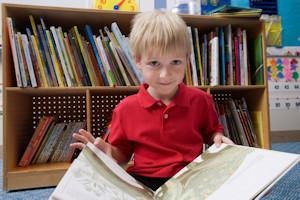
(212,124)
(117,137)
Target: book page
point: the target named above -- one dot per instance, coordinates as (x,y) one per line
(228,172)
(94,175)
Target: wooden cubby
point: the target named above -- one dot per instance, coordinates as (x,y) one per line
(24,106)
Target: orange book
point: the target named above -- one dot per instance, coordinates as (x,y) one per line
(35,140)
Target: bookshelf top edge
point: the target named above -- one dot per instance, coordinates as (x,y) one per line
(35,8)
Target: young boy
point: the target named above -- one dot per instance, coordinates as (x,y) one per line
(166,123)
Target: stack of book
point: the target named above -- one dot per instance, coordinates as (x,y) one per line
(51,57)
(221,57)
(50,142)
(234,11)
(236,120)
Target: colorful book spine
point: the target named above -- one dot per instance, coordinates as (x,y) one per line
(84,55)
(35,141)
(61,58)
(29,61)
(115,29)
(89,33)
(12,41)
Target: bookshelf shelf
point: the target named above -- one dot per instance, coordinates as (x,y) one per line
(24,106)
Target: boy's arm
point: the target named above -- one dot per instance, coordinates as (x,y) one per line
(83,137)
(112,151)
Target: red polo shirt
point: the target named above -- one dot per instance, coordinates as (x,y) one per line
(163,138)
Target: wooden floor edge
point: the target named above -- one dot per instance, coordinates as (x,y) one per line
(285,136)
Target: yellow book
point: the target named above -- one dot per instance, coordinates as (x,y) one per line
(40,63)
(199,56)
(256,117)
(55,62)
(84,55)
(39,52)
(65,55)
(72,60)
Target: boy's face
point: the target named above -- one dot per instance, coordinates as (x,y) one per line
(163,73)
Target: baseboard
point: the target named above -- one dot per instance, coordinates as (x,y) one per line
(285,136)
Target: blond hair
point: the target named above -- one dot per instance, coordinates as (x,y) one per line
(161,30)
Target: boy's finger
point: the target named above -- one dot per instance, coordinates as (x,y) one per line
(227,140)
(80,138)
(78,145)
(87,134)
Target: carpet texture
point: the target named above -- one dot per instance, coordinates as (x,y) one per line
(287,188)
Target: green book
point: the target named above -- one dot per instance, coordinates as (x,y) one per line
(257,67)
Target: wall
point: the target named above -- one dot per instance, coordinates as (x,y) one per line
(289,10)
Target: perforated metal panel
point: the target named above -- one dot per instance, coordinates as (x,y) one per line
(221,96)
(66,108)
(102,107)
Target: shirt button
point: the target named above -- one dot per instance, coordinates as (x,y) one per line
(166,116)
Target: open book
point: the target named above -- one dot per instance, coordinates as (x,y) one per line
(227,172)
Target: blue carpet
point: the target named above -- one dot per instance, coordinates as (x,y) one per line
(287,188)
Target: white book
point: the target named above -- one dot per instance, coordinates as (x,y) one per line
(230,62)
(28,60)
(120,65)
(60,37)
(104,59)
(214,60)
(12,41)
(193,60)
(228,172)
(20,58)
(245,57)
(60,55)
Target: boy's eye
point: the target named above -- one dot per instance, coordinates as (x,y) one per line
(176,62)
(154,63)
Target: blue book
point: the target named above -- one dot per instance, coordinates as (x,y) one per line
(89,33)
(222,56)
(115,29)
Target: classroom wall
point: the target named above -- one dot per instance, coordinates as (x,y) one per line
(289,10)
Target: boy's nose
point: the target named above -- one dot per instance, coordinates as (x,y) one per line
(165,71)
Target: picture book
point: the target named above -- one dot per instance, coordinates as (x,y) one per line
(216,174)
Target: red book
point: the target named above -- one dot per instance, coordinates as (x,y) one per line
(35,140)
(237,61)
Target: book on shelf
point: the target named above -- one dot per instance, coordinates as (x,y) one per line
(54,57)
(36,140)
(237,121)
(215,174)
(50,142)
(235,11)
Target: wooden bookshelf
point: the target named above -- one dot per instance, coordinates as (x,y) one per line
(24,106)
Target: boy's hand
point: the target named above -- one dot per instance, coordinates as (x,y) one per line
(82,138)
(220,138)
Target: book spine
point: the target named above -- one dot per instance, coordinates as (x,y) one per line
(63,64)
(29,61)
(35,141)
(115,29)
(13,47)
(88,31)
(83,52)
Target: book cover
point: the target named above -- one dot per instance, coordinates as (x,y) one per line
(12,41)
(35,140)
(215,174)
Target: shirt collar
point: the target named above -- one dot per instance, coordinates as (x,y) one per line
(146,100)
